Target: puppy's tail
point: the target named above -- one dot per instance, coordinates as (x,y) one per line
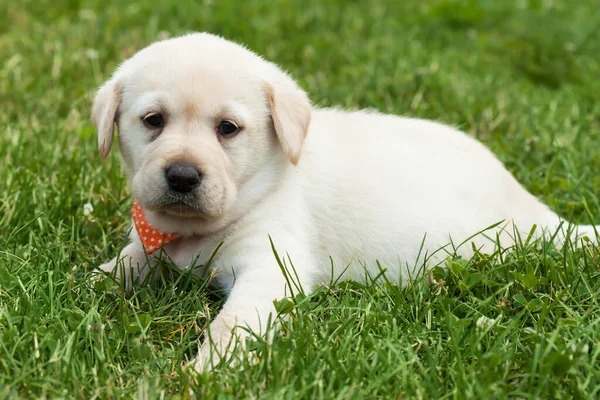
(578,235)
(582,231)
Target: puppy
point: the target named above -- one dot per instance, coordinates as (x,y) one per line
(222,148)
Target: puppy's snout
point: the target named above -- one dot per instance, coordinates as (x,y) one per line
(182,178)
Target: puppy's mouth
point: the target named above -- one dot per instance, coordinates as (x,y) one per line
(181,209)
(178,206)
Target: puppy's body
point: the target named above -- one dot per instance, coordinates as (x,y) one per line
(359,187)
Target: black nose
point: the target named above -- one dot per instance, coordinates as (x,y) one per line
(182,178)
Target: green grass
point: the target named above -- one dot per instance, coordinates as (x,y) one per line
(523,77)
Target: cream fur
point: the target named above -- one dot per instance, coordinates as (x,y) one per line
(359,187)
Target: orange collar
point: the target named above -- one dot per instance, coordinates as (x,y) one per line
(152,239)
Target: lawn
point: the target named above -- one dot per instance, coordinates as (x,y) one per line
(521,76)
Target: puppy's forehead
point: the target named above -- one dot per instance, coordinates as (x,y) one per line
(191,79)
(193,59)
(197,75)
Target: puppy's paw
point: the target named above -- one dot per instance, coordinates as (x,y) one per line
(213,355)
(203,362)
(104,278)
(208,358)
(131,267)
(117,273)
(100,272)
(108,267)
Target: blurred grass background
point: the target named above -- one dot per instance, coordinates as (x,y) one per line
(522,76)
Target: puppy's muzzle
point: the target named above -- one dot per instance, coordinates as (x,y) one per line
(182,178)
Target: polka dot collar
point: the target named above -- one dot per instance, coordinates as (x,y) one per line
(152,239)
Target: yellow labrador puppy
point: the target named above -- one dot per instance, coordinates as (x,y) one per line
(221,146)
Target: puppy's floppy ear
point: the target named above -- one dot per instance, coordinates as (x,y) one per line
(291,112)
(104,114)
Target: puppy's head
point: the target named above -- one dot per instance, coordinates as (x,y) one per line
(198,117)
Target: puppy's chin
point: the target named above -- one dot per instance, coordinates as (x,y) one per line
(195,205)
(184,223)
(180,211)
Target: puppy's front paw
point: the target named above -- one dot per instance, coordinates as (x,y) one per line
(225,350)
(101,271)
(108,267)
(209,357)
(206,360)
(130,267)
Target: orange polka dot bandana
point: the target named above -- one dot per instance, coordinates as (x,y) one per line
(152,239)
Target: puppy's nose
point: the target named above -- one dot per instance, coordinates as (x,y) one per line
(182,178)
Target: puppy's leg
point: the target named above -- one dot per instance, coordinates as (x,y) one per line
(131,265)
(249,307)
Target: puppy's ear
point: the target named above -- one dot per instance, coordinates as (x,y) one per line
(290,111)
(104,114)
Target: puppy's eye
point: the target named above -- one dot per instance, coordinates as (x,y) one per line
(154,120)
(227,128)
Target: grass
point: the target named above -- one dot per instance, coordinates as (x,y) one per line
(521,76)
